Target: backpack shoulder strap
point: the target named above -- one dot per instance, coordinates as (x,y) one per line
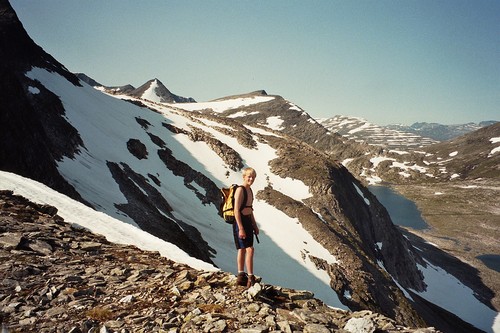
(245,197)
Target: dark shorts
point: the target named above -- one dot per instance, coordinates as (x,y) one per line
(246,220)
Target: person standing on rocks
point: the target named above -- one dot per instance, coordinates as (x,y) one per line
(244,228)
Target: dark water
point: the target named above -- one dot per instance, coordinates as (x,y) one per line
(491,261)
(403,212)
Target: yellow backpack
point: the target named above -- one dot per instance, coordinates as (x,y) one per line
(227,205)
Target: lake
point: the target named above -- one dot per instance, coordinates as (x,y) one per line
(403,212)
(492,261)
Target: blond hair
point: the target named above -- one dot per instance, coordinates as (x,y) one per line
(251,171)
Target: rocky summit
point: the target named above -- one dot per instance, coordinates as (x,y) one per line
(58,277)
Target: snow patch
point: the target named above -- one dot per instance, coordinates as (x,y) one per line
(150,93)
(294,107)
(361,194)
(379,159)
(261,131)
(347,161)
(243,114)
(371,179)
(33,90)
(224,105)
(494,150)
(398,152)
(444,290)
(275,123)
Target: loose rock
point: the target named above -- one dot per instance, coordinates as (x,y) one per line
(58,278)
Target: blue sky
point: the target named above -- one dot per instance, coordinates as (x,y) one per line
(397,61)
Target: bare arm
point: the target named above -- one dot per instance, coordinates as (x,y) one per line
(238,201)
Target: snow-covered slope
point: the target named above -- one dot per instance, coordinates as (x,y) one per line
(99,223)
(153,165)
(104,131)
(106,123)
(122,233)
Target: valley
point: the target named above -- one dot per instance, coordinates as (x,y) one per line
(464,220)
(455,187)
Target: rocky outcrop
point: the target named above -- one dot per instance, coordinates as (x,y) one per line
(55,276)
(339,218)
(33,131)
(298,124)
(151,211)
(471,156)
(348,227)
(137,148)
(226,153)
(125,89)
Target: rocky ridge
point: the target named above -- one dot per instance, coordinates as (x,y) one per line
(361,131)
(294,122)
(115,90)
(56,276)
(33,131)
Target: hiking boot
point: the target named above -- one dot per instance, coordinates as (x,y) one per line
(251,281)
(242,279)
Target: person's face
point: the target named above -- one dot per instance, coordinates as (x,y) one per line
(249,178)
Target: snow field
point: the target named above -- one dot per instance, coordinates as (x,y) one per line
(105,133)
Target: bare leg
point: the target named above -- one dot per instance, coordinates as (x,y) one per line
(240,260)
(249,259)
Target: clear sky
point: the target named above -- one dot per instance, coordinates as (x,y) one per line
(399,61)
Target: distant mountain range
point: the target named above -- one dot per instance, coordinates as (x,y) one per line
(405,157)
(362,131)
(441,132)
(403,137)
(153,90)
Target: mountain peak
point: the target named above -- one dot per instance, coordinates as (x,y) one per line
(154,90)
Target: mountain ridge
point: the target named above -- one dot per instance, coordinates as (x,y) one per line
(120,159)
(153,90)
(125,89)
(362,131)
